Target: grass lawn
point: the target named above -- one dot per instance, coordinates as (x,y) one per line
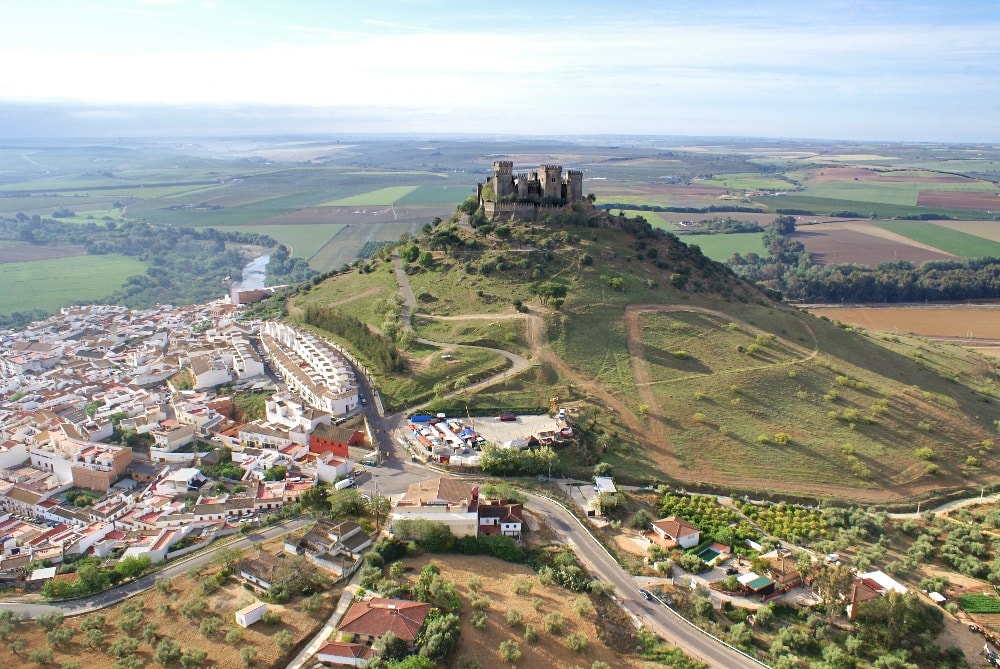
(446,290)
(374,198)
(958,243)
(721,247)
(50,284)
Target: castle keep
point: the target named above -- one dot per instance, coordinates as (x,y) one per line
(529,196)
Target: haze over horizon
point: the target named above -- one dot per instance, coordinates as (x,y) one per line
(887,71)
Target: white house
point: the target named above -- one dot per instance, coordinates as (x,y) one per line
(250,614)
(678,530)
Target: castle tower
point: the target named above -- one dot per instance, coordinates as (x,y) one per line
(574,185)
(550,179)
(503,178)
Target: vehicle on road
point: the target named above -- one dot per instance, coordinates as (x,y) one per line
(506,417)
(344,483)
(646,594)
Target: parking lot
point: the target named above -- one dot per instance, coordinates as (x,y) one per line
(498,432)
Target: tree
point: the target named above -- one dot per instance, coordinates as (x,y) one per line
(193,657)
(510,651)
(784,225)
(49,621)
(60,636)
(167,652)
(42,656)
(576,642)
(17,644)
(130,622)
(150,633)
(210,626)
(603,469)
(248,654)
(8,623)
(390,647)
(234,636)
(283,640)
(124,646)
(95,637)
(275,473)
(133,567)
(440,636)
(378,507)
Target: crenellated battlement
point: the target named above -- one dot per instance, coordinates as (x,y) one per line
(523,195)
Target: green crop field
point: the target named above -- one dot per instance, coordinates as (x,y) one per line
(975,603)
(438,195)
(654,219)
(747,182)
(950,241)
(823,206)
(888,193)
(50,284)
(376,198)
(722,247)
(306,240)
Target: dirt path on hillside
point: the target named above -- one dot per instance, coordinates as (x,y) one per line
(659,440)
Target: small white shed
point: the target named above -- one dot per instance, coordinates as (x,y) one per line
(250,614)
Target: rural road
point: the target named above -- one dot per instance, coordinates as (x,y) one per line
(656,617)
(114,595)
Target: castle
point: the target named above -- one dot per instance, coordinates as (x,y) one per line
(529,196)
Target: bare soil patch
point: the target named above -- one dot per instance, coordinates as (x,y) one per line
(972,321)
(834,174)
(164,611)
(27,253)
(959,200)
(842,243)
(498,579)
(985,229)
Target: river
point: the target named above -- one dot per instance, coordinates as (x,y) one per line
(254,274)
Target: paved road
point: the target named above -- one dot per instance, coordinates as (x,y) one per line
(115,595)
(654,616)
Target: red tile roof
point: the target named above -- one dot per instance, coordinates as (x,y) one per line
(376,616)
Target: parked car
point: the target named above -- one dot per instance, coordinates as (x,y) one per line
(732,571)
(506,417)
(646,595)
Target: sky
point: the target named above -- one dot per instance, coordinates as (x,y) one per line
(857,70)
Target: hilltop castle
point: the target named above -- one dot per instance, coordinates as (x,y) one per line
(529,196)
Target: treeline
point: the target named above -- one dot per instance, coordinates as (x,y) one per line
(185,265)
(723,226)
(378,351)
(282,268)
(788,268)
(715,208)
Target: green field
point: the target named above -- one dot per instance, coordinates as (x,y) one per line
(722,247)
(50,284)
(654,219)
(376,198)
(747,182)
(305,240)
(821,206)
(437,195)
(957,243)
(888,193)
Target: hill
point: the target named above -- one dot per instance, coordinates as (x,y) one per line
(674,368)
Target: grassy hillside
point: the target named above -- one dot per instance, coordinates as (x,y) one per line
(677,370)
